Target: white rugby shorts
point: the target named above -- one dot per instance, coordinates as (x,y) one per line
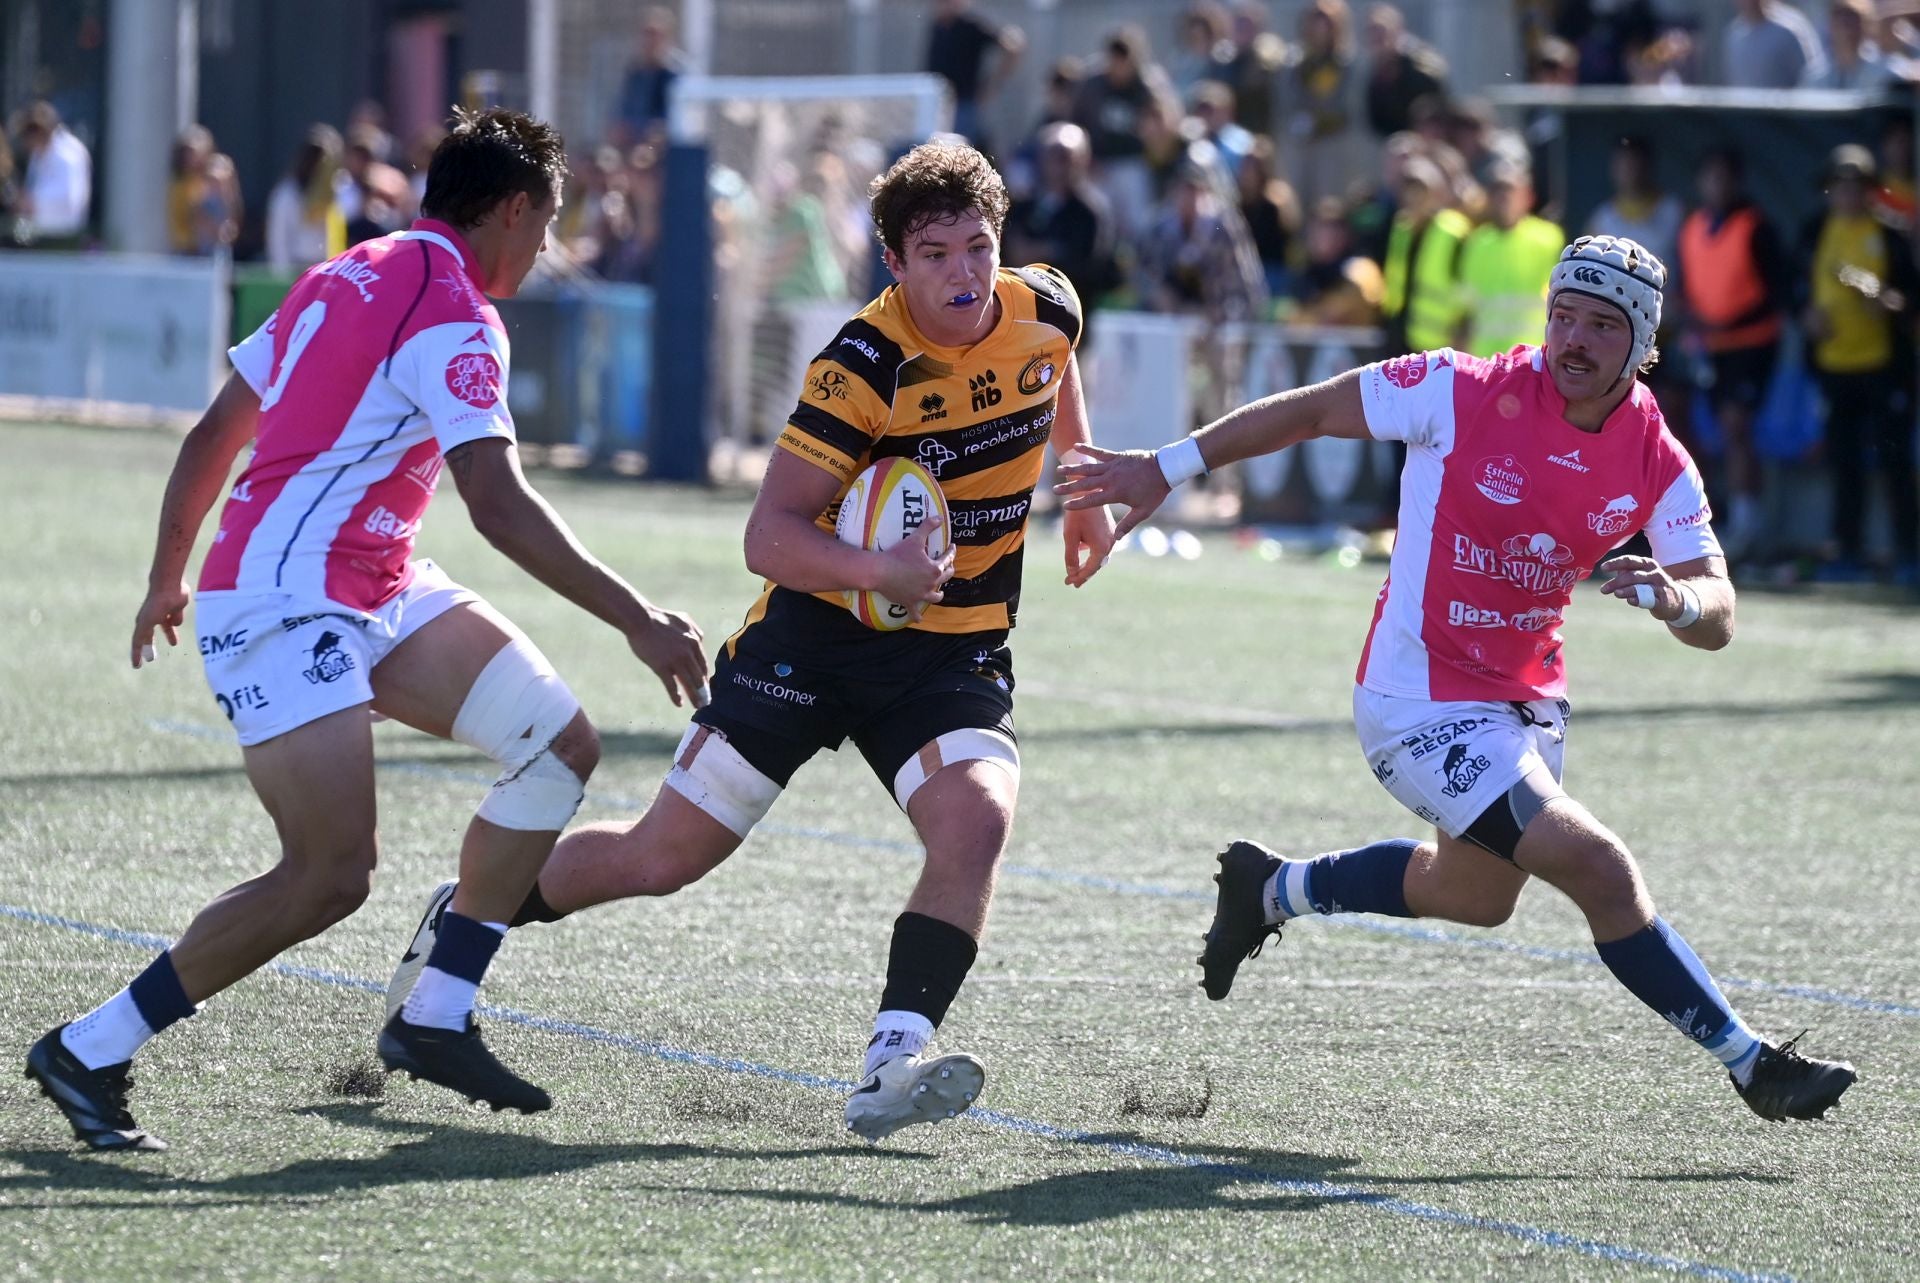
(274,665)
(1449,760)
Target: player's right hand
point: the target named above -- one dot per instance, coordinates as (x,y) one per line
(910,575)
(165,609)
(1128,477)
(668,642)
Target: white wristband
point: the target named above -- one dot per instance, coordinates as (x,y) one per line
(1180,461)
(1689,607)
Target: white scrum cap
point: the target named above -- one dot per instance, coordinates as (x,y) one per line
(1621,272)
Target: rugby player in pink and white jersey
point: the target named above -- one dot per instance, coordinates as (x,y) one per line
(381,364)
(1523,473)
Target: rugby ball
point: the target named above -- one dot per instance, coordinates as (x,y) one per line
(888,502)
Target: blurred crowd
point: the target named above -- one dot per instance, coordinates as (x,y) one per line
(1216,181)
(1768,44)
(1330,176)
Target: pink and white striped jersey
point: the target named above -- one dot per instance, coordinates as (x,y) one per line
(1504,506)
(377,363)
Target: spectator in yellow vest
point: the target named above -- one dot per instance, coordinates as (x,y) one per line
(1422,306)
(1504,267)
(1860,290)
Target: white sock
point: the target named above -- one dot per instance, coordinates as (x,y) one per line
(440,1000)
(896,1034)
(1739,1050)
(108,1034)
(1285,895)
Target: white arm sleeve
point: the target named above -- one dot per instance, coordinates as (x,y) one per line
(1410,399)
(457,375)
(252,356)
(1681,527)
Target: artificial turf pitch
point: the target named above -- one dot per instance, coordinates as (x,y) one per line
(1374,1101)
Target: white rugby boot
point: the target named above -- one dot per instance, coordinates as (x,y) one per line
(914,1089)
(414,960)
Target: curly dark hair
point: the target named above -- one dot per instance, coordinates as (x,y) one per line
(487,157)
(935,183)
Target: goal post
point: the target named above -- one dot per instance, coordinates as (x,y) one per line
(791,249)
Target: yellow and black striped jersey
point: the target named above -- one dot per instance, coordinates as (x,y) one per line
(978,418)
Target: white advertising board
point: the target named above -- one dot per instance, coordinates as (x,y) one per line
(131,329)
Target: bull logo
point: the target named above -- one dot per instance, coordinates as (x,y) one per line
(1615,518)
(330,663)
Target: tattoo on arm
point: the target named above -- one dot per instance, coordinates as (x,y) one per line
(460,462)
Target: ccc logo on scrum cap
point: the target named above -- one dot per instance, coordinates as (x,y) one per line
(1589,276)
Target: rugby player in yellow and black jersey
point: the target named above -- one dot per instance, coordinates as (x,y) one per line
(968,368)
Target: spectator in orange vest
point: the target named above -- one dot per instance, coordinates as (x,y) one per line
(1734,274)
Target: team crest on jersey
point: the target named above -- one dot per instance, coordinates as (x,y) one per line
(1406,371)
(330,663)
(1036,374)
(474,377)
(1615,517)
(1501,478)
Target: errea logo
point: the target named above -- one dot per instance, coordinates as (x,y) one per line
(1571,459)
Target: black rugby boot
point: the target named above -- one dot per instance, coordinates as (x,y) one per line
(1240,929)
(460,1062)
(94,1100)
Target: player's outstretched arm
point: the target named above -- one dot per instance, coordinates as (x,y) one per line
(1694,598)
(784,545)
(199,471)
(512,517)
(1141,480)
(1087,532)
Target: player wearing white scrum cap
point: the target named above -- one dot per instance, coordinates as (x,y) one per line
(1524,472)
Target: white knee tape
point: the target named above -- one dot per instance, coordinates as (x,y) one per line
(711,774)
(517,707)
(971,745)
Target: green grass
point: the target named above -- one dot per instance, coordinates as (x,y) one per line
(1768,790)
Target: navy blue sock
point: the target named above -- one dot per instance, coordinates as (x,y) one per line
(1367,879)
(157,993)
(1659,969)
(464,948)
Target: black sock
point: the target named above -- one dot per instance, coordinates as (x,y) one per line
(535,909)
(925,966)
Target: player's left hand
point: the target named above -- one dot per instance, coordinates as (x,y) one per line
(1131,478)
(165,609)
(1629,573)
(1089,538)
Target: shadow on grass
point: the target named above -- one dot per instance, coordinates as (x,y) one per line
(1239,1179)
(422,1153)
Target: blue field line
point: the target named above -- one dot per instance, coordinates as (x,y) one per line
(1148,890)
(1325,1190)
